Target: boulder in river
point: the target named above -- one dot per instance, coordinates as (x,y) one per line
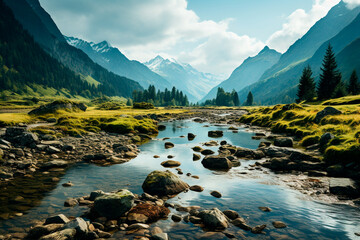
(191,136)
(216,163)
(170,163)
(114,205)
(215,134)
(196,157)
(343,187)
(146,213)
(207,152)
(214,219)
(169,145)
(163,183)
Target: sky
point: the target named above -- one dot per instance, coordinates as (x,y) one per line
(214,36)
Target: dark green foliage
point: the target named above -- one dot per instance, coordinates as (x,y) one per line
(129,102)
(249,99)
(223,98)
(23,63)
(306,89)
(340,90)
(143,105)
(166,98)
(354,86)
(330,77)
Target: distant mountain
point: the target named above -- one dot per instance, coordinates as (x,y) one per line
(41,27)
(279,83)
(113,60)
(348,59)
(184,77)
(248,72)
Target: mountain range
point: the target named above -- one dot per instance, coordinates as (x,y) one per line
(340,27)
(248,72)
(38,23)
(184,77)
(113,60)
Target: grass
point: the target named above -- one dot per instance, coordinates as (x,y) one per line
(298,120)
(12,119)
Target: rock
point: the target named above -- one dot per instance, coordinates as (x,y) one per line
(137,226)
(68,184)
(52,150)
(103,234)
(326,112)
(65,234)
(215,134)
(61,218)
(71,202)
(241,223)
(160,236)
(211,143)
(216,194)
(156,156)
(130,155)
(248,153)
(216,163)
(344,187)
(176,218)
(196,157)
(207,152)
(337,170)
(169,145)
(274,151)
(156,230)
(325,139)
(171,163)
(214,219)
(163,183)
(114,205)
(95,194)
(39,231)
(147,213)
(223,142)
(265,209)
(283,142)
(55,164)
(170,156)
(231,214)
(196,188)
(79,225)
(195,220)
(58,105)
(258,229)
(197,149)
(279,224)
(161,127)
(191,136)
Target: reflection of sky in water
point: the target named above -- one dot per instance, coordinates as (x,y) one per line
(306,219)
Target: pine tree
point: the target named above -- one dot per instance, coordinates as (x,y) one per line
(330,76)
(249,99)
(306,90)
(235,98)
(354,86)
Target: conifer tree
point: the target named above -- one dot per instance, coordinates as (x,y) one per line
(235,98)
(249,99)
(354,86)
(330,76)
(306,90)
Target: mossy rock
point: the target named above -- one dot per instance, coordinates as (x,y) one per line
(163,183)
(58,105)
(114,205)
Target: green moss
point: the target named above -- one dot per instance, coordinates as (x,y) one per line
(310,140)
(126,125)
(344,153)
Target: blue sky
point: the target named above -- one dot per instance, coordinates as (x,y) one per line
(258,18)
(214,36)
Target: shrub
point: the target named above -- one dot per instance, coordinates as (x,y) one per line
(143,105)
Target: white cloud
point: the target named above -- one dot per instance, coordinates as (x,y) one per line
(352,3)
(143,29)
(298,23)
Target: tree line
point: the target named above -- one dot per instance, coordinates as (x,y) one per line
(330,84)
(172,97)
(228,99)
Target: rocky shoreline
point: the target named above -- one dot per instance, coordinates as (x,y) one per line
(302,170)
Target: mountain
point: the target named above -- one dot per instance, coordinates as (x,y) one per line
(184,77)
(279,83)
(26,69)
(283,87)
(41,27)
(113,60)
(248,72)
(348,59)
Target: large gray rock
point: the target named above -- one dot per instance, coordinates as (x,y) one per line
(79,225)
(326,112)
(248,153)
(41,230)
(114,205)
(61,218)
(163,183)
(18,136)
(344,187)
(284,142)
(214,219)
(216,163)
(215,134)
(55,164)
(274,151)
